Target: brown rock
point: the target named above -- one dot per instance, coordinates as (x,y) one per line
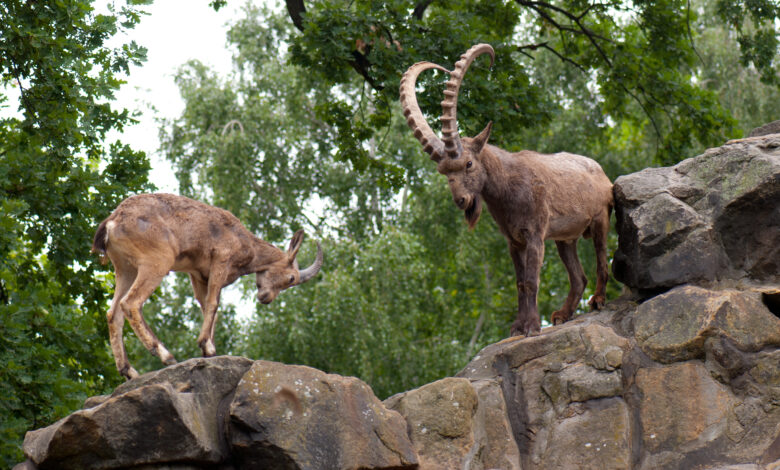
(285,416)
(682,407)
(675,326)
(455,423)
(594,436)
(708,218)
(164,416)
(440,421)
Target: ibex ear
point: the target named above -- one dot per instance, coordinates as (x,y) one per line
(481,139)
(295,244)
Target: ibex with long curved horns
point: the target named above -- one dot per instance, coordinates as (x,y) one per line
(149,235)
(532,197)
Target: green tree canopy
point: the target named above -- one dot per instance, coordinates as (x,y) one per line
(638,60)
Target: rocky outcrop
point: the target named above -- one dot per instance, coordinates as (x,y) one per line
(228,413)
(683,373)
(293,416)
(710,218)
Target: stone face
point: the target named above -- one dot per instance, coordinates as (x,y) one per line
(682,390)
(770,128)
(286,416)
(162,416)
(440,419)
(708,218)
(457,423)
(675,326)
(582,440)
(560,389)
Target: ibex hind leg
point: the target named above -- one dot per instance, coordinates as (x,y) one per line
(577,281)
(600,229)
(125,276)
(145,283)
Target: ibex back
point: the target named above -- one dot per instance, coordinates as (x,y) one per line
(149,235)
(532,197)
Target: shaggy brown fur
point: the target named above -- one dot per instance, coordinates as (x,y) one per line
(532,197)
(149,235)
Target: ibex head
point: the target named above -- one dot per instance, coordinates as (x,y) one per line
(457,158)
(283,273)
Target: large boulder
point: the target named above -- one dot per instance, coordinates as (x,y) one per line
(164,416)
(686,380)
(297,417)
(709,218)
(454,423)
(227,413)
(689,379)
(563,394)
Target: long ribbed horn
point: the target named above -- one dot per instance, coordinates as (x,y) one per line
(311,271)
(432,145)
(449,117)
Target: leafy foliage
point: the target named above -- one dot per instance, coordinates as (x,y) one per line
(57,179)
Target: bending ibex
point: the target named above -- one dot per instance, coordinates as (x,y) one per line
(533,197)
(149,235)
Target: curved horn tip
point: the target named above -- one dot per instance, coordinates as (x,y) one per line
(483,48)
(308,273)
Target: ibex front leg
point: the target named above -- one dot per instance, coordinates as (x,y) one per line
(527,258)
(147,280)
(207,293)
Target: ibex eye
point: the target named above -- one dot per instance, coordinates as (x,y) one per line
(292,279)
(468,165)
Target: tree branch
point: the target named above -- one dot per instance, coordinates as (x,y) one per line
(419,9)
(295,8)
(545,45)
(690,35)
(541,9)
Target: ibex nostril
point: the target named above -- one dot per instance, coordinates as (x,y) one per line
(461,201)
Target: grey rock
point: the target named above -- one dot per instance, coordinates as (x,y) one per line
(770,128)
(709,218)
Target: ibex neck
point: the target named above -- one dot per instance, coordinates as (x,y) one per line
(265,254)
(496,183)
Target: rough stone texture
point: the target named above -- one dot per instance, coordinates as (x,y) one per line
(688,379)
(456,424)
(297,417)
(169,414)
(708,218)
(770,128)
(561,389)
(676,325)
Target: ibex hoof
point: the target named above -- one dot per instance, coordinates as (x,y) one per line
(208,349)
(597,302)
(559,318)
(165,356)
(525,329)
(128,372)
